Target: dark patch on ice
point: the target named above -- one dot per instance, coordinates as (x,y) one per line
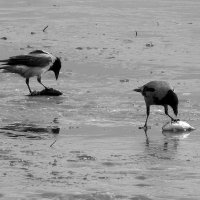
(142,185)
(25,127)
(86,157)
(140,197)
(92,196)
(28,130)
(140,177)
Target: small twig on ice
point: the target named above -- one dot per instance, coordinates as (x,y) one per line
(53,143)
(45,28)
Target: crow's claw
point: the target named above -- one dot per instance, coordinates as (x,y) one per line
(175,120)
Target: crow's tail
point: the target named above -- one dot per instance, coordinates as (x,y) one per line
(4,64)
(4,61)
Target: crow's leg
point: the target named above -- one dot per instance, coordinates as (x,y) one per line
(27,83)
(39,81)
(145,127)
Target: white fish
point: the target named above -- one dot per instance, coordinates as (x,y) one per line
(178,126)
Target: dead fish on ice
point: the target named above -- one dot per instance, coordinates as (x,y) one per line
(46,92)
(177,126)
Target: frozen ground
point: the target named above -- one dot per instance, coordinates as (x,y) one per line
(99,152)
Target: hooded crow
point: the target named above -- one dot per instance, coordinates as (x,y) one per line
(33,64)
(159,93)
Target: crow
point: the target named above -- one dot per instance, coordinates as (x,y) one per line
(33,64)
(159,93)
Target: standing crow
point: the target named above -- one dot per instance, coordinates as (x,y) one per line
(159,93)
(33,64)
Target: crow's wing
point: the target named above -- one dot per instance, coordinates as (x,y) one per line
(28,60)
(157,89)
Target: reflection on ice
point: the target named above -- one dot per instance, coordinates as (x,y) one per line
(23,127)
(162,150)
(28,130)
(179,135)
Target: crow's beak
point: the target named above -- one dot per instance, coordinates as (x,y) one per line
(56,75)
(175,109)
